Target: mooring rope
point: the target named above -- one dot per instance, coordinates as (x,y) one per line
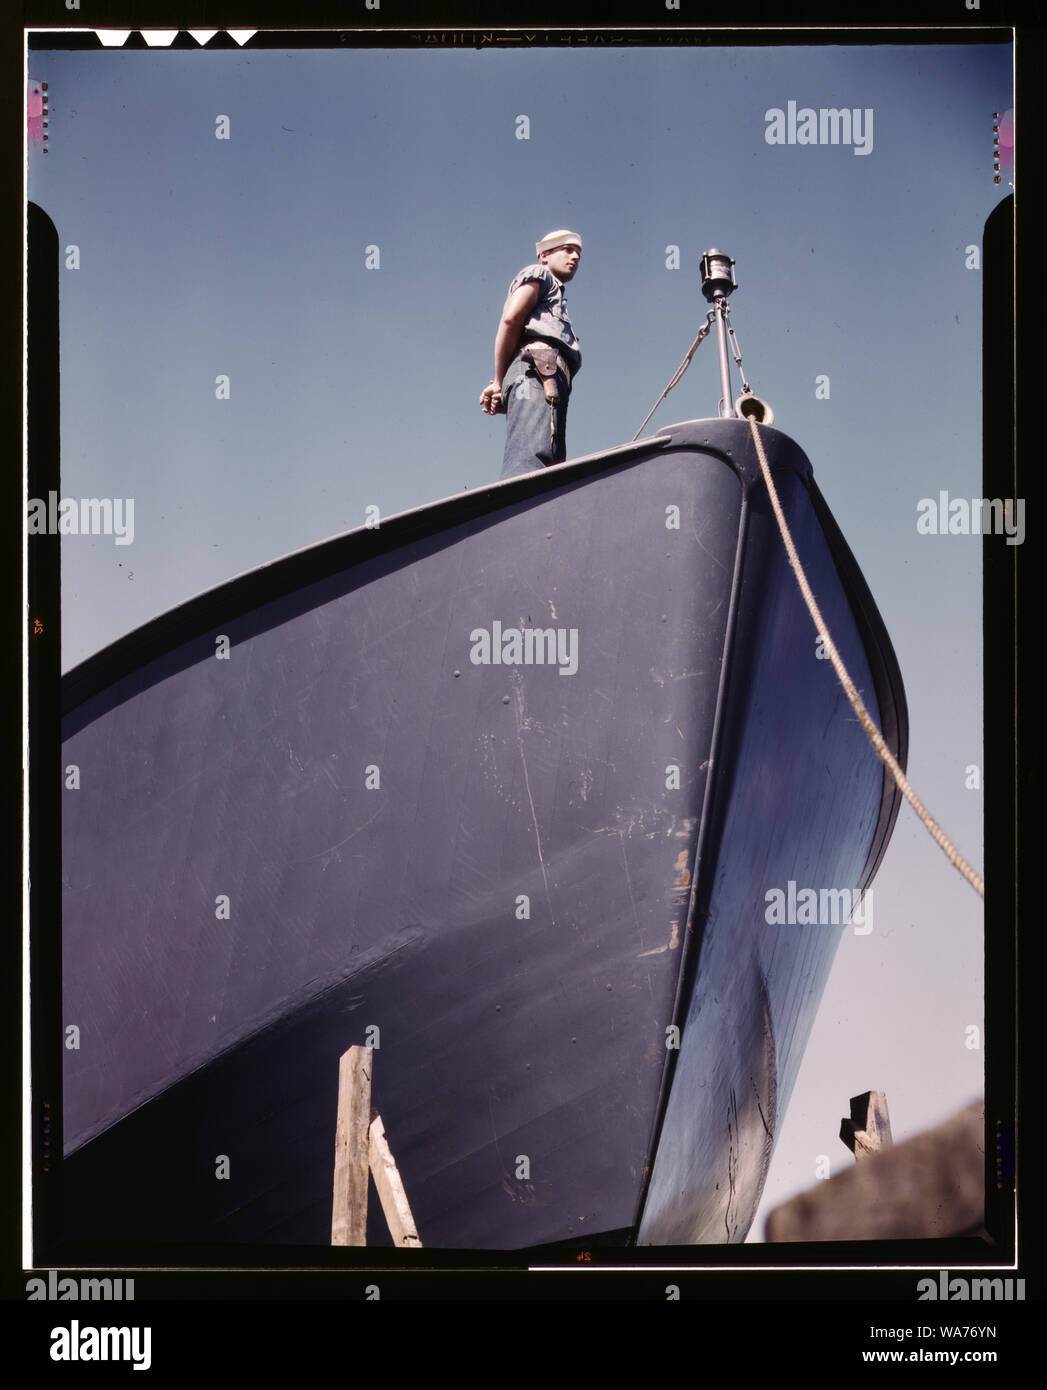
(875,737)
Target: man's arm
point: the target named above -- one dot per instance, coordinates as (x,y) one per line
(518,309)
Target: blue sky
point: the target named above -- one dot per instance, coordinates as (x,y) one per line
(351,387)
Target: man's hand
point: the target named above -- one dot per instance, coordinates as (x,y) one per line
(491,402)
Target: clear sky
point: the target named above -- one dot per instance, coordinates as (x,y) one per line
(349,386)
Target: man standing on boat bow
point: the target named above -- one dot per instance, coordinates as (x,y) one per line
(536,356)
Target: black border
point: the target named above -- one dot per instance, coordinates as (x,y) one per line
(1007,675)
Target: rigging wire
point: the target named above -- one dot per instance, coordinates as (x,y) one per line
(703,332)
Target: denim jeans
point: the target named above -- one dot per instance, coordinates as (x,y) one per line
(527,428)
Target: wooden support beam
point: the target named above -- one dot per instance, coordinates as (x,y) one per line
(349,1212)
(868,1131)
(925,1188)
(390,1189)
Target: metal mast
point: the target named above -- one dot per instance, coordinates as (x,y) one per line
(717,283)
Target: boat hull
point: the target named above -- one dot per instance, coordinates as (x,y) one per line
(353,797)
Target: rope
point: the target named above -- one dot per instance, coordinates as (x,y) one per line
(875,737)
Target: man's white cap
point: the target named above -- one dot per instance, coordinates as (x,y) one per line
(561,238)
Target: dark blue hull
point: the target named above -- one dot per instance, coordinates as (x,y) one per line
(517,877)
